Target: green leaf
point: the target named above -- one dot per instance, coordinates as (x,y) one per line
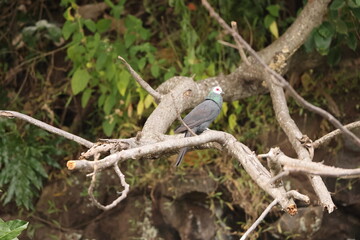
(225,108)
(155,70)
(75,52)
(141,63)
(11,229)
(334,56)
(356,12)
(148,101)
(109,104)
(123,82)
(129,39)
(354,3)
(101,61)
(210,70)
(323,37)
(337,4)
(274,29)
(85,97)
(310,42)
(140,108)
(90,24)
(351,41)
(68,29)
(326,30)
(132,22)
(108,127)
(274,10)
(110,71)
(103,25)
(341,27)
(268,20)
(170,73)
(232,121)
(80,80)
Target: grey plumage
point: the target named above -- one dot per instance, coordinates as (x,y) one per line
(199,119)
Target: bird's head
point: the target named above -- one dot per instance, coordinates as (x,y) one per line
(218,90)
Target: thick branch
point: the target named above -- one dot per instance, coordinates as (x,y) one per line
(246,157)
(47,127)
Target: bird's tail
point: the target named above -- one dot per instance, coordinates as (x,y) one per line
(182,151)
(181,156)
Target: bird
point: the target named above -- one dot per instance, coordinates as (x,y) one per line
(200,118)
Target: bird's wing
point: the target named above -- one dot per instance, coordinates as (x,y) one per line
(205,111)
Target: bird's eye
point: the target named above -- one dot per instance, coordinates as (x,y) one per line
(217,89)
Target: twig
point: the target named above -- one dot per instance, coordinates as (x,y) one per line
(187,127)
(141,81)
(280,175)
(227,44)
(279,78)
(308,167)
(180,118)
(47,127)
(326,138)
(298,196)
(257,222)
(123,194)
(238,44)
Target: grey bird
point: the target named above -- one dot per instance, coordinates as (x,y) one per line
(199,119)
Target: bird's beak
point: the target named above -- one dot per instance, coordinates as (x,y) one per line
(222,92)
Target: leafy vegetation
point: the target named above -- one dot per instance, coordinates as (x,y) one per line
(11,229)
(340,28)
(24,153)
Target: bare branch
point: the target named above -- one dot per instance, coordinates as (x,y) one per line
(227,44)
(308,167)
(238,44)
(145,85)
(257,222)
(47,127)
(326,138)
(123,194)
(180,118)
(296,195)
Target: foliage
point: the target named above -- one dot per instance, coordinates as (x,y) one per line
(23,154)
(341,26)
(11,229)
(96,70)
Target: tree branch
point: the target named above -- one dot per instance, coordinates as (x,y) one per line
(282,56)
(257,222)
(141,81)
(275,83)
(326,138)
(47,127)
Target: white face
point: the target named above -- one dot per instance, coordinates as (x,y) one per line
(218,90)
